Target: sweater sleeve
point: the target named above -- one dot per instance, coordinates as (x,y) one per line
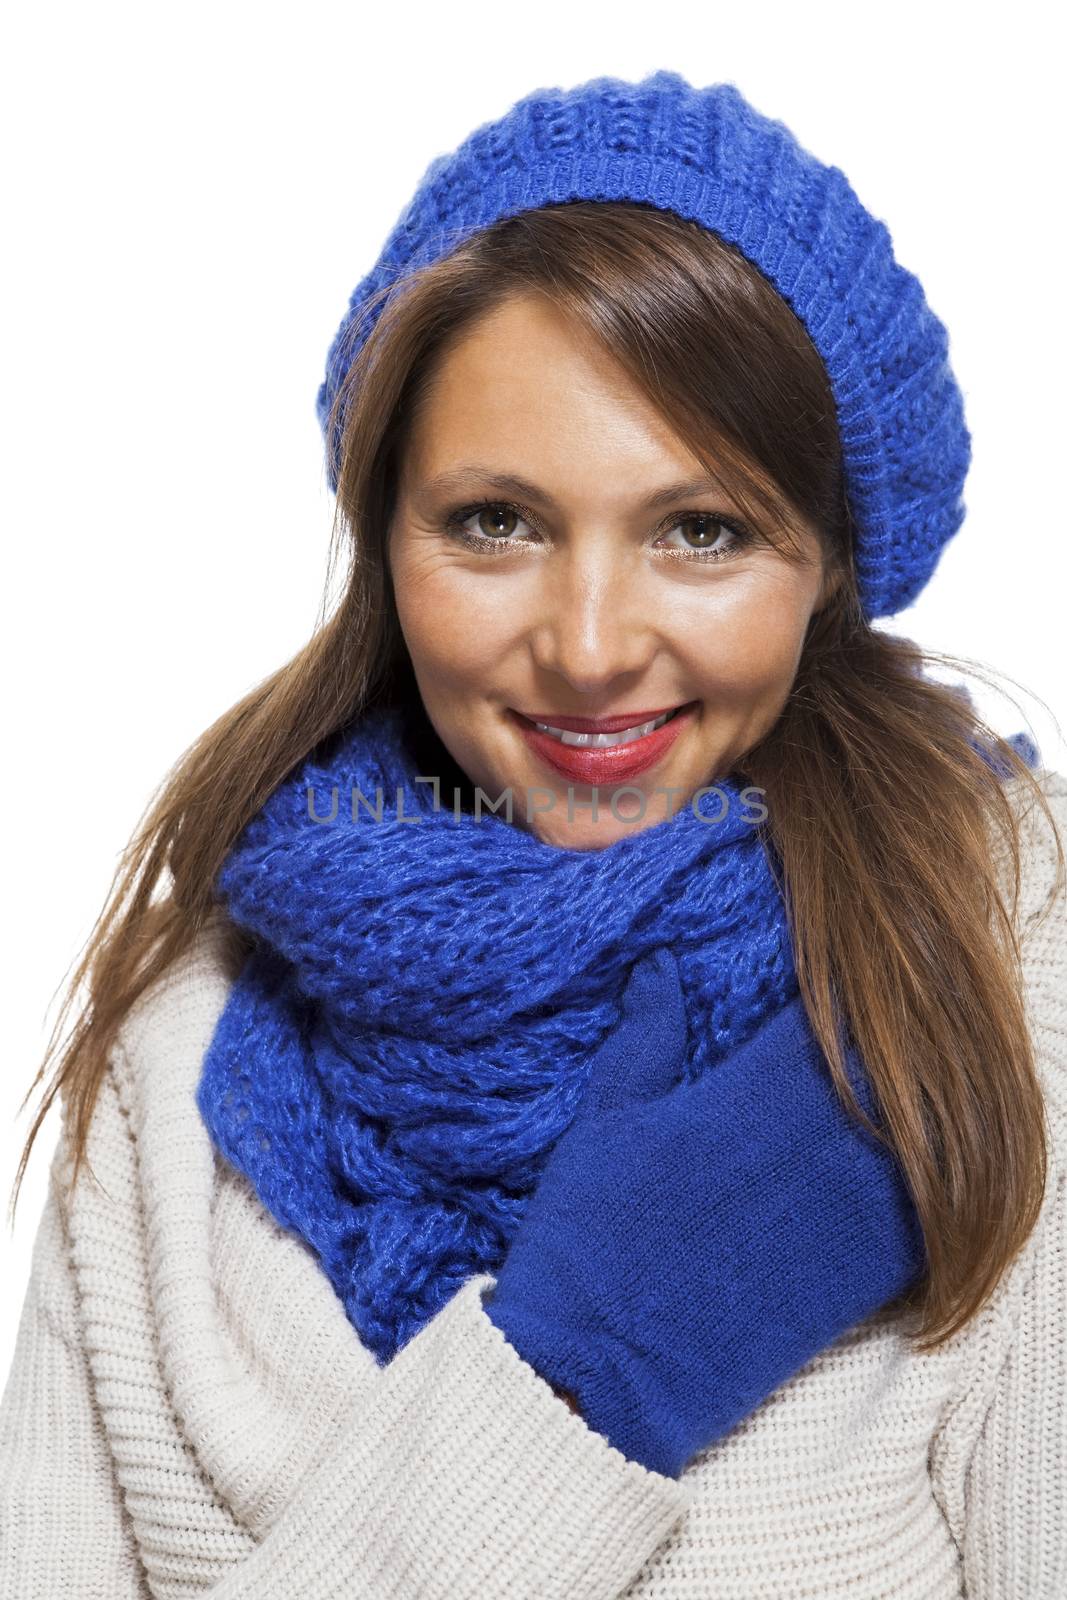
(64,1530)
(463,1476)
(998,1462)
(1014,1541)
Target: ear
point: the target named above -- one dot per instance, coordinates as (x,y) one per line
(645,1054)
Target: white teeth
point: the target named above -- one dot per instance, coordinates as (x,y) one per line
(603,741)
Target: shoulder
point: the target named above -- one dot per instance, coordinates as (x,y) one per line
(164,1035)
(144,1121)
(1039,834)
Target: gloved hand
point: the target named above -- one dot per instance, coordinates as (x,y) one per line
(690,1246)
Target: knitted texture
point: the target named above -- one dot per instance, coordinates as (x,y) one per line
(414,1029)
(707,155)
(189,1413)
(767,1221)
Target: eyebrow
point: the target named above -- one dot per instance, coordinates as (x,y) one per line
(472,473)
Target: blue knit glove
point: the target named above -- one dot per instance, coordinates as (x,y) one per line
(690,1246)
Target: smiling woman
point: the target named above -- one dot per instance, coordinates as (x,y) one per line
(719,1091)
(598,597)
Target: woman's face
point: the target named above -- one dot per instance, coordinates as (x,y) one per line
(589,594)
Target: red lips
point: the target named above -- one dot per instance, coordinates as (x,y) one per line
(613,764)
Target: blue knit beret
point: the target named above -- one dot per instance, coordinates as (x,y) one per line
(709,156)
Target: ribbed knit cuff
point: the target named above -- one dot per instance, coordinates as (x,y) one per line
(464,1478)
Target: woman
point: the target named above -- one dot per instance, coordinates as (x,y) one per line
(586,1114)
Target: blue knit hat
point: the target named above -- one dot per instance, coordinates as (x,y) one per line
(709,156)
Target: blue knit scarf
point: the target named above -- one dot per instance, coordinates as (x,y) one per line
(412,1031)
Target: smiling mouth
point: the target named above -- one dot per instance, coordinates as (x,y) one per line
(630,724)
(604,741)
(605,755)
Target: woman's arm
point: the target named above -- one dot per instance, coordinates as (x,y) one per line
(63,1523)
(1015,1535)
(456,1475)
(460,1477)
(998,1461)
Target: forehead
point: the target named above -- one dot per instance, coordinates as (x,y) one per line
(526,389)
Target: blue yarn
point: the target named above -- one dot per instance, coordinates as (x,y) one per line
(414,1028)
(707,155)
(1026,749)
(693,1245)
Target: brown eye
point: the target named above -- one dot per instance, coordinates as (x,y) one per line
(705,530)
(708,537)
(496,521)
(488,525)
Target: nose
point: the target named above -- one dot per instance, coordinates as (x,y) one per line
(592,620)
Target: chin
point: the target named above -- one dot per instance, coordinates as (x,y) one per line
(583,833)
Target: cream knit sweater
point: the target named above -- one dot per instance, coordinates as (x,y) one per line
(189,1412)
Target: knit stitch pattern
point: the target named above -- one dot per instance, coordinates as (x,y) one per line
(708,155)
(414,1029)
(189,1413)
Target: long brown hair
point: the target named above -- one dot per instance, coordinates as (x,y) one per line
(884,813)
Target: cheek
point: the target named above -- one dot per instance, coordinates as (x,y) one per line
(453,622)
(747,651)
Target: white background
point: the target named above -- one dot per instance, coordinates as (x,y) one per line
(190,195)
